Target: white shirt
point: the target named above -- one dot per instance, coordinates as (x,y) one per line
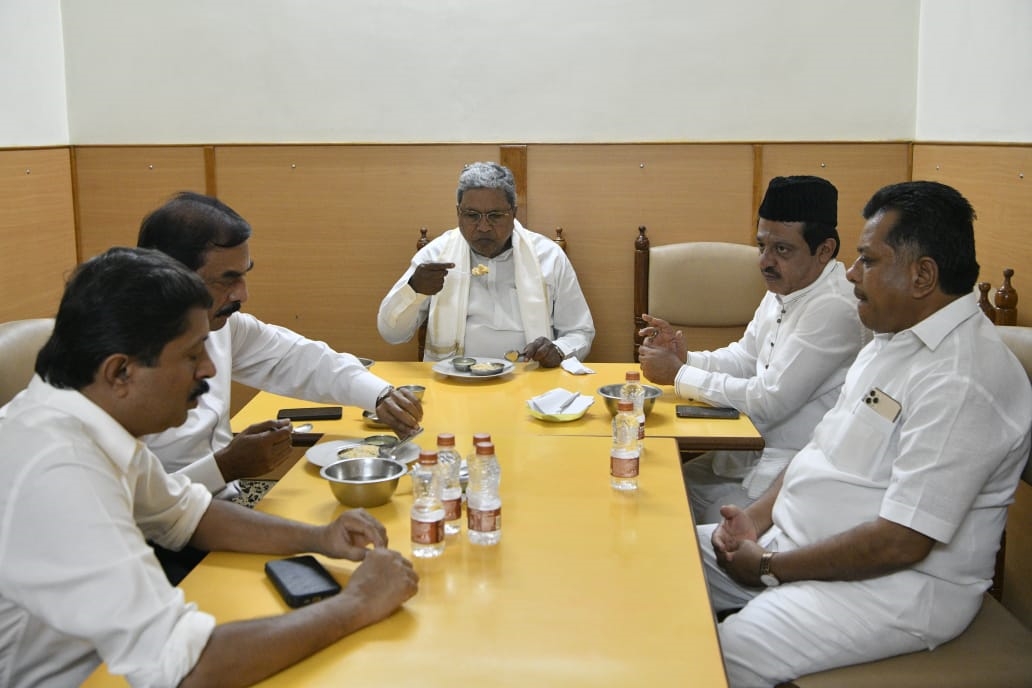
(266,357)
(949,464)
(493,322)
(785,372)
(79,497)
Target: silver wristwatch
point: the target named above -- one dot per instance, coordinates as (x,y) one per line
(766,577)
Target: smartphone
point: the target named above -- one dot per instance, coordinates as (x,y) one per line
(707,412)
(312,413)
(301,580)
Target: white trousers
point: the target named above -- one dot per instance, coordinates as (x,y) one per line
(800,628)
(707,491)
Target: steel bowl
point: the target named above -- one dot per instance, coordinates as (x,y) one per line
(487,368)
(463,363)
(415,390)
(363,482)
(611,394)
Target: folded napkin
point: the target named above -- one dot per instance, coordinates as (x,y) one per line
(548,404)
(574,366)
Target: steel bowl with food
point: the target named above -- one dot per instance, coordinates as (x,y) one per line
(611,394)
(363,482)
(487,368)
(463,363)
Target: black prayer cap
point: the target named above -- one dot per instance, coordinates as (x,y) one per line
(800,198)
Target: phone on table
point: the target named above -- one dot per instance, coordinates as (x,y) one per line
(312,413)
(684,411)
(301,580)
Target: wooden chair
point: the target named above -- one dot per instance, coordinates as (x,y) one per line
(422,241)
(995,650)
(20,342)
(1004,308)
(709,290)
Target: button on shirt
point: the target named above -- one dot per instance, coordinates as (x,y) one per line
(946,467)
(786,370)
(79,497)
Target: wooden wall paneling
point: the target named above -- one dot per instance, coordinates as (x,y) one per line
(600,194)
(997,180)
(118,185)
(515,158)
(37,231)
(336,226)
(856,169)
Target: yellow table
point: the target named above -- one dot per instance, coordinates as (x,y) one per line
(589,586)
(498,405)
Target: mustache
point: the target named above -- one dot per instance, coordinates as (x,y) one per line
(770,272)
(228,309)
(201,388)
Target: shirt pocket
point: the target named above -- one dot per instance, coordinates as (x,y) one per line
(857,444)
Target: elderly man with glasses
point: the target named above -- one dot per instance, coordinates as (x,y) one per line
(490,285)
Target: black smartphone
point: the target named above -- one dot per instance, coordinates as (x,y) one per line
(312,413)
(707,412)
(301,580)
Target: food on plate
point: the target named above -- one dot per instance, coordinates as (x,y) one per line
(361,451)
(485,367)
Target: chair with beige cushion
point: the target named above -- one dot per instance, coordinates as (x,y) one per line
(20,341)
(996,649)
(707,289)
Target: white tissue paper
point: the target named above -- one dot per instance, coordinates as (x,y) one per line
(574,366)
(548,404)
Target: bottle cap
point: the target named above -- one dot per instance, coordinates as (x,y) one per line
(625,405)
(445,439)
(428,456)
(481,437)
(485,448)
(633,375)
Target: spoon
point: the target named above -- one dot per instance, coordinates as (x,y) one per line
(304,427)
(512,355)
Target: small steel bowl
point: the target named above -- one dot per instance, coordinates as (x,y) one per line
(363,482)
(385,441)
(487,368)
(463,363)
(416,390)
(611,394)
(367,362)
(372,420)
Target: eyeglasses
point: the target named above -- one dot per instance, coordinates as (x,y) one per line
(493,217)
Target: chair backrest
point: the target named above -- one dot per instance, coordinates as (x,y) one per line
(707,289)
(422,241)
(20,342)
(1019,340)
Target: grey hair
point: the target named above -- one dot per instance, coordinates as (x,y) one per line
(487,175)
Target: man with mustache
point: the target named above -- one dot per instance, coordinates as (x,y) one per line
(210,238)
(880,537)
(81,495)
(786,370)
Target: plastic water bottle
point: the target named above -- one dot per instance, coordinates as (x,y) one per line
(427,516)
(478,437)
(623,457)
(483,501)
(448,461)
(633,390)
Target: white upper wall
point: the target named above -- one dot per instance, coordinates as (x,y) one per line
(453,70)
(255,71)
(975,71)
(32,75)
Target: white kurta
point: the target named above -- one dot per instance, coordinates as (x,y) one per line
(493,321)
(784,373)
(266,357)
(947,467)
(79,584)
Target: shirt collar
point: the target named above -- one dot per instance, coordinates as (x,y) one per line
(107,433)
(933,329)
(829,269)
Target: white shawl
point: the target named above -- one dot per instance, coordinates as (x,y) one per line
(446,328)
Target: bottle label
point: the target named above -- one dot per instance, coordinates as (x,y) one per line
(641,427)
(623,465)
(452,509)
(484,520)
(427,532)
